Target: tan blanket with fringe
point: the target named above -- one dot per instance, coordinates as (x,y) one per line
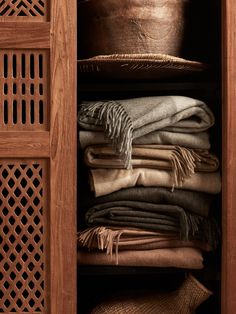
(182,161)
(105,181)
(186,257)
(114,239)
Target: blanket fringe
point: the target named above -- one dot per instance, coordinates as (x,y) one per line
(107,239)
(103,238)
(116,124)
(184,162)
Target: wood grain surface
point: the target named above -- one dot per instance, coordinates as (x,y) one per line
(38,156)
(63,141)
(31,144)
(24,35)
(228,286)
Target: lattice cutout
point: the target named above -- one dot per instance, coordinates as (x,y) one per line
(24,90)
(22,236)
(30,9)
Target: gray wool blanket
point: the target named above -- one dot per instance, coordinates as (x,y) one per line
(124,120)
(157,217)
(195,202)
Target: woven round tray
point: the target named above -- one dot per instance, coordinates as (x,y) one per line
(138,66)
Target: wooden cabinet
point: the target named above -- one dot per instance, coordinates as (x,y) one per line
(37,156)
(218,90)
(38,159)
(228,282)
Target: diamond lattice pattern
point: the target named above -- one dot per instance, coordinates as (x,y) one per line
(24,8)
(22,247)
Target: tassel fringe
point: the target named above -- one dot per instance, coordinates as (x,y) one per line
(103,238)
(191,226)
(184,162)
(117,126)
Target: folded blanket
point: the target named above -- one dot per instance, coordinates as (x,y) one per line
(195,202)
(105,181)
(124,120)
(156,217)
(184,300)
(189,258)
(120,238)
(182,161)
(191,140)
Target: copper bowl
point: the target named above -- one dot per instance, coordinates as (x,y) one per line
(131,27)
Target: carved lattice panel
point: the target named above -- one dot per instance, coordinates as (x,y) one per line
(23,230)
(24,9)
(24,90)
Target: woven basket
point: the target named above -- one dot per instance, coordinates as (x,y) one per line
(138,67)
(131,27)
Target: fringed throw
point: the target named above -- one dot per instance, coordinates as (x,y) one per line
(183,162)
(114,239)
(155,217)
(124,120)
(117,126)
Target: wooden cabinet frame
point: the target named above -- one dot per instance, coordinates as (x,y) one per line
(52,145)
(38,156)
(228,284)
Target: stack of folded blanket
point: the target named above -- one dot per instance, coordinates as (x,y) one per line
(153,179)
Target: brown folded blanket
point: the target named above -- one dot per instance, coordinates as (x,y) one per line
(182,161)
(189,258)
(105,181)
(115,239)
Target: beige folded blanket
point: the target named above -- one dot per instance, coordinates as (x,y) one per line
(191,140)
(105,181)
(182,161)
(189,258)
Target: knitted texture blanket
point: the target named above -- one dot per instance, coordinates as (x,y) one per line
(195,202)
(189,258)
(181,161)
(124,120)
(191,140)
(184,300)
(105,181)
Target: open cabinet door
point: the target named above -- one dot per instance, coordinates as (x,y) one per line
(38,156)
(228,286)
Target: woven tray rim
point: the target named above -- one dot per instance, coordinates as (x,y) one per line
(140,61)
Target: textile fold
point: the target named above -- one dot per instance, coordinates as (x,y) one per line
(186,257)
(123,120)
(105,181)
(181,161)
